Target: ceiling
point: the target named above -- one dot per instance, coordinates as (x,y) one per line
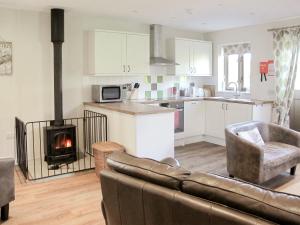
(200,15)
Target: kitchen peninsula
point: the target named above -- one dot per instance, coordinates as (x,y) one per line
(144,130)
(147,130)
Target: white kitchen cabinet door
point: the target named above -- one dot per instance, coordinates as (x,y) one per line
(237,113)
(194,122)
(182,57)
(214,119)
(109,53)
(138,54)
(202,58)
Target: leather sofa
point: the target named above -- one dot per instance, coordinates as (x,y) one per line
(258,164)
(146,192)
(7,186)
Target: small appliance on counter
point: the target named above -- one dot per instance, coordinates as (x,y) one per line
(108,93)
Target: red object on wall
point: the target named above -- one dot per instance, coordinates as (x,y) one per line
(264,67)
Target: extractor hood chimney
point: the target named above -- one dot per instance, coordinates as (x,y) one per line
(156,48)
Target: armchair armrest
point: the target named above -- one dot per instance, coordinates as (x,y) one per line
(7,181)
(284,135)
(171,161)
(244,159)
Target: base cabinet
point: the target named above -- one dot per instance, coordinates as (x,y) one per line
(214,119)
(194,114)
(219,115)
(237,113)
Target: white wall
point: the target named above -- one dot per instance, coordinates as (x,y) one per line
(28,93)
(261,49)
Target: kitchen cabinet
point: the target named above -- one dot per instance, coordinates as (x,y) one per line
(193,56)
(219,115)
(214,119)
(138,55)
(194,114)
(237,113)
(182,51)
(202,58)
(118,53)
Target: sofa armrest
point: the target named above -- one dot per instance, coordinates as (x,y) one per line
(171,161)
(7,181)
(244,159)
(284,135)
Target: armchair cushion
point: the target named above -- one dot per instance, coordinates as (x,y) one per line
(252,136)
(276,153)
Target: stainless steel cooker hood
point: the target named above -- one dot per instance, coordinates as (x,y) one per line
(156,48)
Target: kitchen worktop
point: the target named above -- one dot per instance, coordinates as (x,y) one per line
(132,108)
(143,107)
(222,99)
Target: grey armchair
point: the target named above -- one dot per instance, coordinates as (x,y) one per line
(258,164)
(7,186)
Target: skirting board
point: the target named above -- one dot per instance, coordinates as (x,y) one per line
(195,139)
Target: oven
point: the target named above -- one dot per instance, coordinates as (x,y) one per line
(178,115)
(108,93)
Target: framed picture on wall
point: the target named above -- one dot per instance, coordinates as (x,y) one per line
(5,58)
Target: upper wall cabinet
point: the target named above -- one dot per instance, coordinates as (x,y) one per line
(194,57)
(118,53)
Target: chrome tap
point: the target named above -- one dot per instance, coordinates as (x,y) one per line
(237,93)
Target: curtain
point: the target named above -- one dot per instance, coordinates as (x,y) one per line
(286,46)
(237,49)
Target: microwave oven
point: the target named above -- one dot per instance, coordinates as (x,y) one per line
(108,93)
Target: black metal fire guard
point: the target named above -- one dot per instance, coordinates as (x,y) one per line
(32,152)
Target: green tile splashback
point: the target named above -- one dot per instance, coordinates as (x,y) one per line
(147,94)
(160,94)
(148,79)
(160,79)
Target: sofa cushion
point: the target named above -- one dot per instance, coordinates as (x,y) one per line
(275,206)
(147,169)
(276,154)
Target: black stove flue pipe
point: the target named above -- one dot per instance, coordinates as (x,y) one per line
(57,38)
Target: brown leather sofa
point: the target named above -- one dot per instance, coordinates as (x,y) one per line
(258,164)
(146,192)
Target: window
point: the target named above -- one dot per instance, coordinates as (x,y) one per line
(236,66)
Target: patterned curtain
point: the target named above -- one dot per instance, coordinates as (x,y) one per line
(237,49)
(286,44)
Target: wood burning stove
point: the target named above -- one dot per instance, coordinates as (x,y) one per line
(60,144)
(60,139)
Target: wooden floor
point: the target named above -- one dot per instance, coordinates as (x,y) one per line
(75,200)
(207,157)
